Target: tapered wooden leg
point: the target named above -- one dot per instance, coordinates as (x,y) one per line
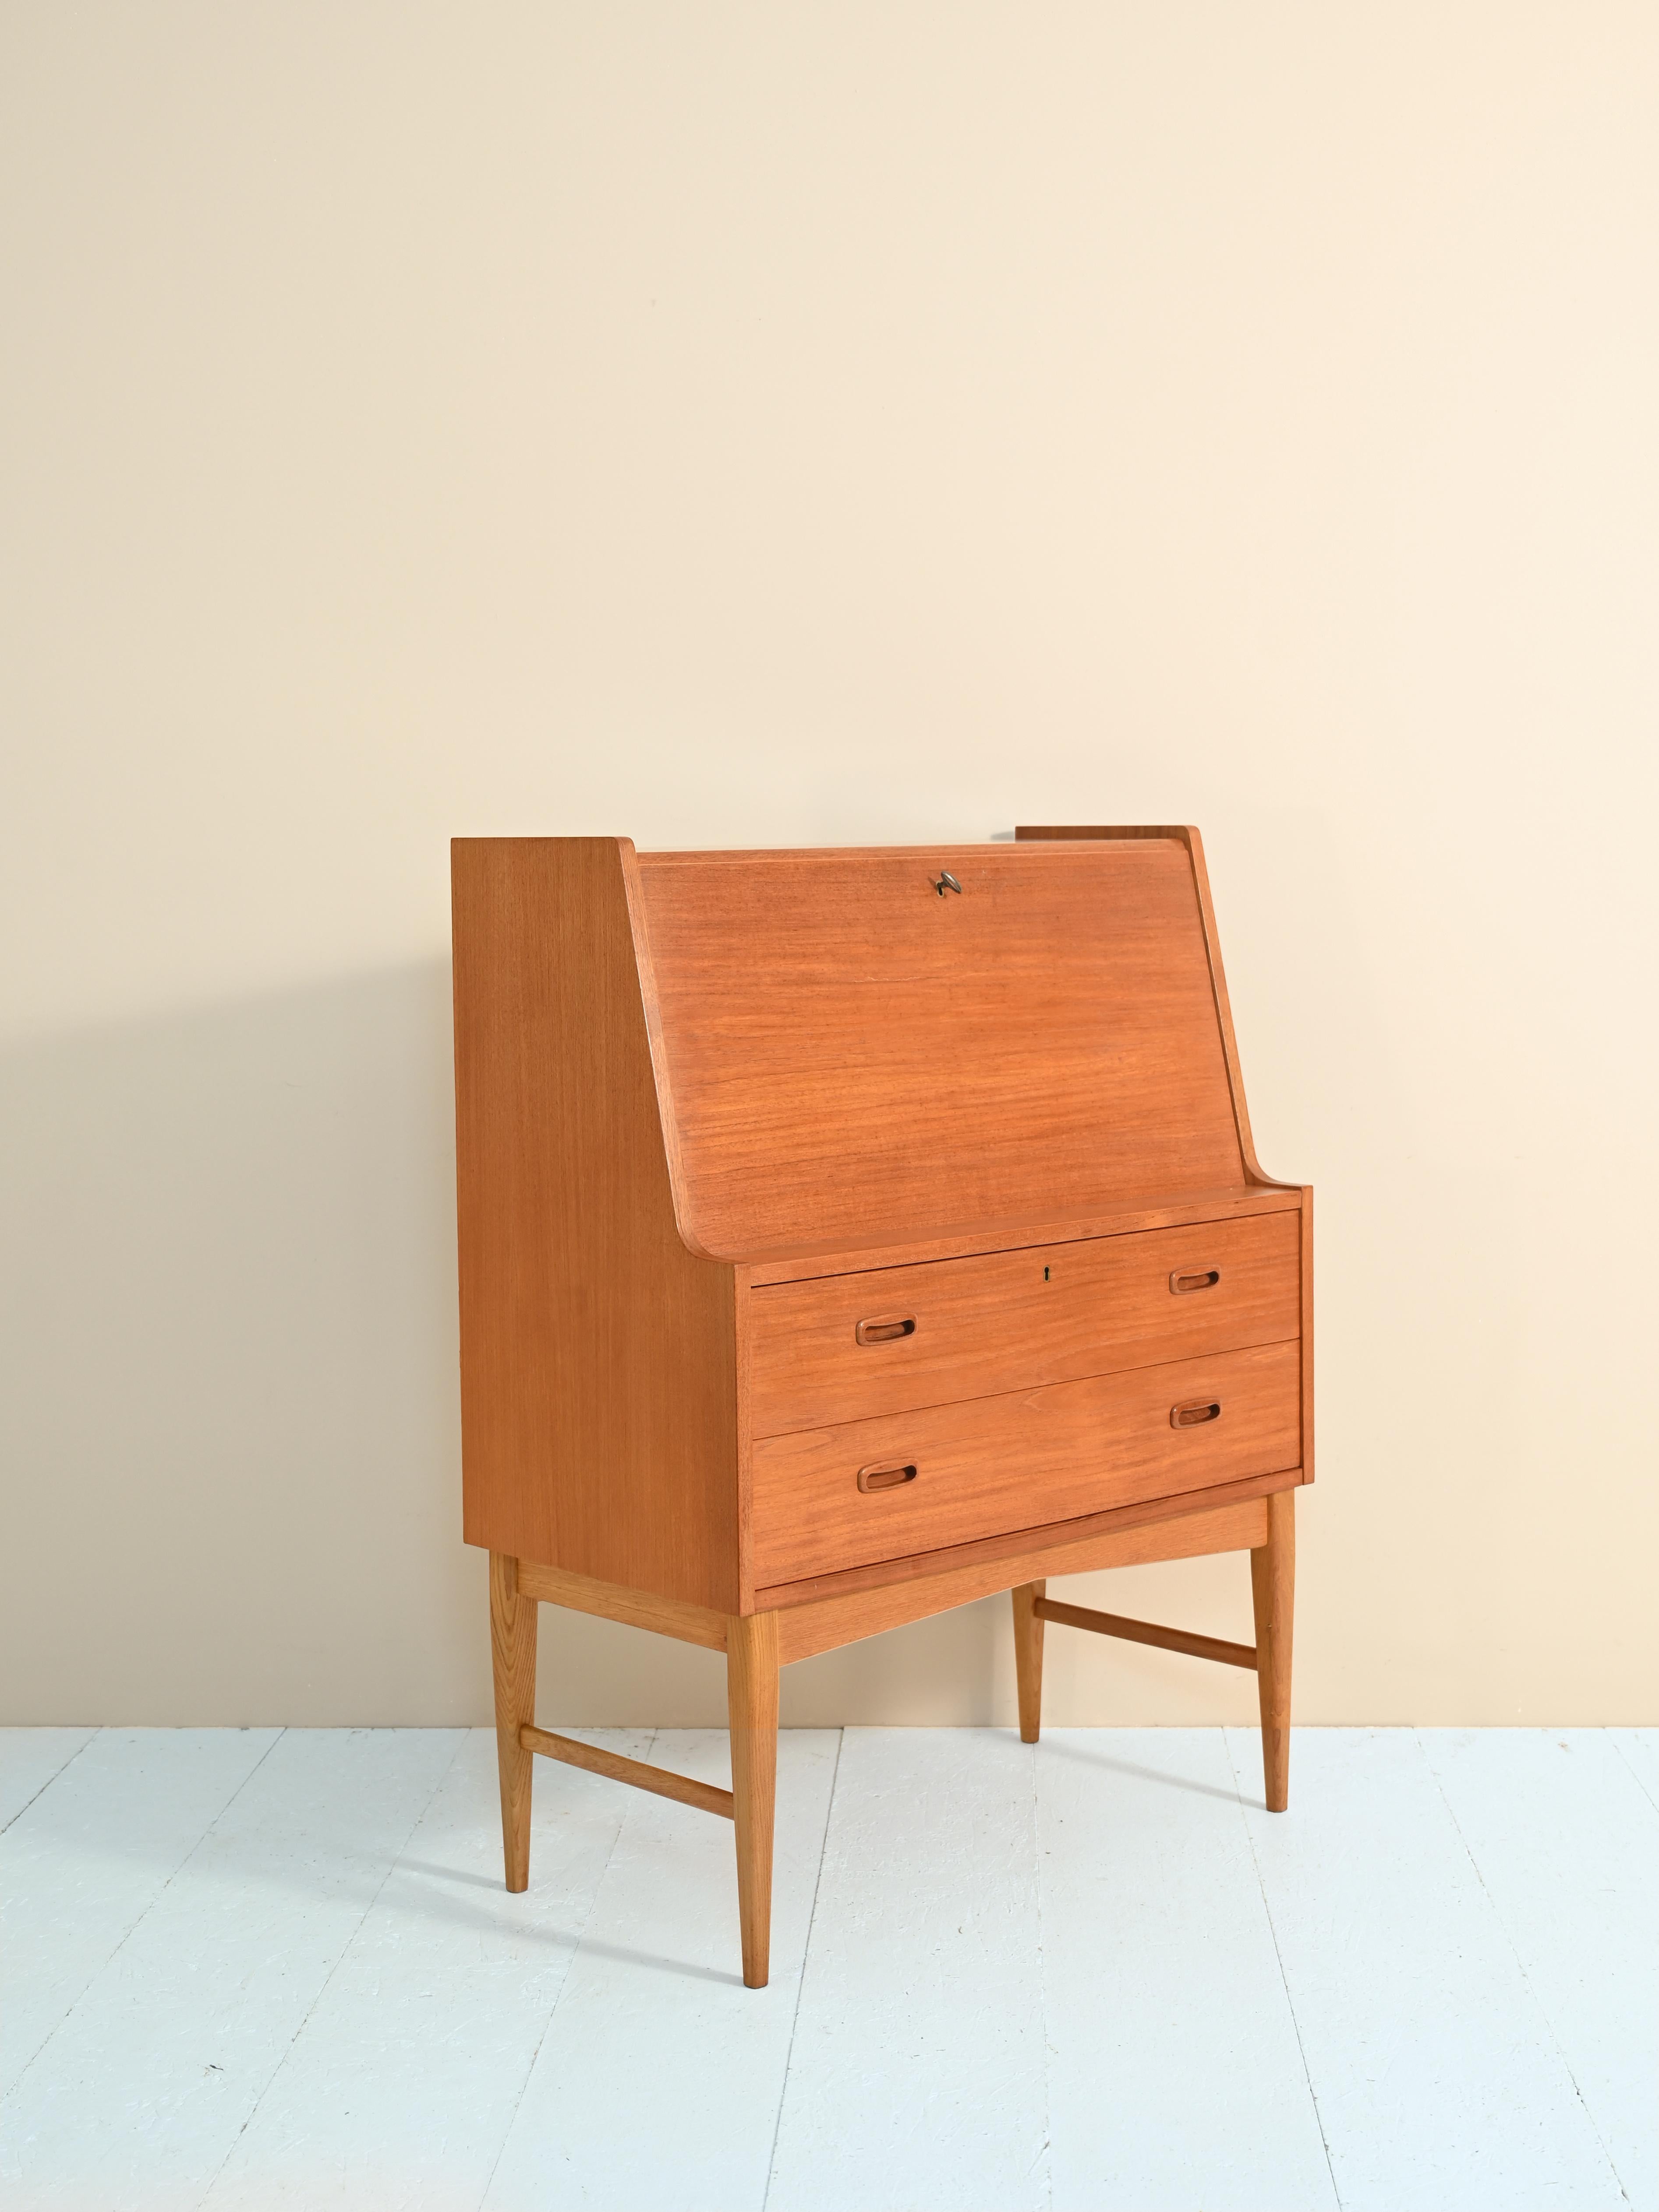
(1273,1586)
(1028,1659)
(513,1649)
(751,1693)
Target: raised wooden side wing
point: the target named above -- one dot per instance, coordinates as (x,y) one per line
(1186,835)
(599,1361)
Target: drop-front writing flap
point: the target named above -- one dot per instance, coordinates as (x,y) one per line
(850,1052)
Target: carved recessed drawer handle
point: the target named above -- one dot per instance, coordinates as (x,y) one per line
(1196,1279)
(885,1332)
(1192,1413)
(888,1476)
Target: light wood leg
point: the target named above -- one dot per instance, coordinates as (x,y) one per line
(513,1649)
(1028,1659)
(751,1690)
(1272,1587)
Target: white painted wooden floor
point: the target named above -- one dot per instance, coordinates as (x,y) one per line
(264,1968)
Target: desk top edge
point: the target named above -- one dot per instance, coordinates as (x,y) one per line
(997,850)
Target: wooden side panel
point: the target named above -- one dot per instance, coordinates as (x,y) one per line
(599,1383)
(855,1057)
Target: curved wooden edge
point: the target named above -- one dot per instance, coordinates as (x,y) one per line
(1185,834)
(645,963)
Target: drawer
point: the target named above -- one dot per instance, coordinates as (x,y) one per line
(843,1347)
(995,1465)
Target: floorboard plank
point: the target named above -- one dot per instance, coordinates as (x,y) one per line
(916,2081)
(282,1969)
(86,1860)
(401,2086)
(1567,1844)
(659,2077)
(30,1758)
(1175,2076)
(139,2097)
(1437,2080)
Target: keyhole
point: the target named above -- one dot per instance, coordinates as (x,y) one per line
(1045,1274)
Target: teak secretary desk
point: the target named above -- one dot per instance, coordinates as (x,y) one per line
(847,1235)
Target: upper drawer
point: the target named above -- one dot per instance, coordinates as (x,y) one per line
(841,1347)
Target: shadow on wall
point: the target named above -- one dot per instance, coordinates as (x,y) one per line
(231,1452)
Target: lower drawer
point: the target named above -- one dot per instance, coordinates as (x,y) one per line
(904,1483)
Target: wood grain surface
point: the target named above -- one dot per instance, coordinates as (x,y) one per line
(751,1692)
(853,1058)
(1273,1588)
(805,1260)
(599,1415)
(512,1655)
(997,1464)
(1307,1331)
(1192,843)
(809,1624)
(1048,1313)
(1187,836)
(689,1624)
(659,1781)
(847,1235)
(1147,1631)
(1028,1657)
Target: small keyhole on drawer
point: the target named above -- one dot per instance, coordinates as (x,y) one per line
(885,1478)
(1045,1274)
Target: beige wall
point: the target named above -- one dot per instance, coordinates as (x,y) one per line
(816,424)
